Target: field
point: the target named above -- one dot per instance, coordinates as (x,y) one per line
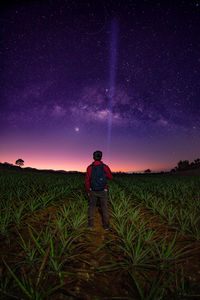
(47,252)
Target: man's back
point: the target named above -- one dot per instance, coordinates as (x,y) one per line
(97,188)
(107,171)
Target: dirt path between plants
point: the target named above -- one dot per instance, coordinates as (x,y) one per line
(92,284)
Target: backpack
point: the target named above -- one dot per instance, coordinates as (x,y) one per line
(98,178)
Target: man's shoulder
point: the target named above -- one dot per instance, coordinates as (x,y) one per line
(88,167)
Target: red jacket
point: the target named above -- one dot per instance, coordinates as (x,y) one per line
(89,171)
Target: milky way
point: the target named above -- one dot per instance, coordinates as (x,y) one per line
(55,81)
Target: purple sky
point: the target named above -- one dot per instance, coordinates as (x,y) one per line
(117,76)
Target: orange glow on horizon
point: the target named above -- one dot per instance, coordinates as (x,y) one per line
(73,161)
(81,165)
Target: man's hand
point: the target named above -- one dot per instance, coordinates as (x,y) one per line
(89,194)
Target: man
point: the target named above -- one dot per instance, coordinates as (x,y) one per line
(97,187)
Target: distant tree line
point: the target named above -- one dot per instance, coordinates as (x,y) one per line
(184,165)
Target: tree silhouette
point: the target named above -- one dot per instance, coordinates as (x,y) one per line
(19,162)
(183,165)
(197,162)
(147,171)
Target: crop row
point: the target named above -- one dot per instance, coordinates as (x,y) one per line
(153,262)
(24,193)
(178,204)
(45,256)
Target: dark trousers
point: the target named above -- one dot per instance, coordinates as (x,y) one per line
(103,197)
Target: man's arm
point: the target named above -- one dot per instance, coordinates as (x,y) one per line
(108,172)
(87,179)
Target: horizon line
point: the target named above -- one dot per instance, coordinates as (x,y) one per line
(64,170)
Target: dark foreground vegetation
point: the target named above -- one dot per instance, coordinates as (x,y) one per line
(47,251)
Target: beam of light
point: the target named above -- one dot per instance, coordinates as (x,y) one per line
(112,78)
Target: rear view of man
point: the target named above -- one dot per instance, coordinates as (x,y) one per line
(97,187)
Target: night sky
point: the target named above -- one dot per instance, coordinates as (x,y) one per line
(122,77)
